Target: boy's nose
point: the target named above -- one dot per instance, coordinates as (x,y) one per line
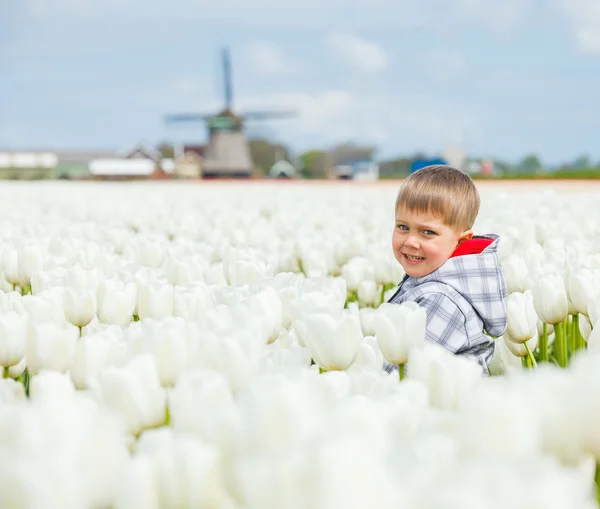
(412,241)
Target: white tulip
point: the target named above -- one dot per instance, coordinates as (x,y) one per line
(369,293)
(17,370)
(333,344)
(369,356)
(51,346)
(48,306)
(515,273)
(447,376)
(198,394)
(357,270)
(92,355)
(134,394)
(582,289)
(522,319)
(116,302)
(518,349)
(585,327)
(503,361)
(188,471)
(398,328)
(13,338)
(166,340)
(368,318)
(550,298)
(10,266)
(267,305)
(51,386)
(155,300)
(31,259)
(80,306)
(78,277)
(138,487)
(11,391)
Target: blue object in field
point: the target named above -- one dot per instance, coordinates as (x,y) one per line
(417,164)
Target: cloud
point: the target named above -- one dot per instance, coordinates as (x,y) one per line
(444,64)
(584,16)
(364,56)
(268,58)
(398,122)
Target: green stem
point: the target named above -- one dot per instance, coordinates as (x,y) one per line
(5,372)
(597,482)
(575,333)
(544,344)
(531,360)
(321,370)
(572,345)
(561,344)
(401,371)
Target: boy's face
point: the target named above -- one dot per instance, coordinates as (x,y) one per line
(422,242)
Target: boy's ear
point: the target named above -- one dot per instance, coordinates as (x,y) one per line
(466,235)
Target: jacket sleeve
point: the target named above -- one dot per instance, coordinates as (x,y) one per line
(445,322)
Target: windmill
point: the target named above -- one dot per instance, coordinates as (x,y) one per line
(227,153)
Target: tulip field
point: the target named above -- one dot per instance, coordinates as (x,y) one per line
(221,345)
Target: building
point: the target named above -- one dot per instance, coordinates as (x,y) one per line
(188,162)
(28,165)
(283,169)
(74,164)
(357,169)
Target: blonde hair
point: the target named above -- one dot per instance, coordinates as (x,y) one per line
(441,191)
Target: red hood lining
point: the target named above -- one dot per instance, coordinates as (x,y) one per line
(472,246)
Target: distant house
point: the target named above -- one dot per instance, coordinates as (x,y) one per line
(357,169)
(28,165)
(283,169)
(74,164)
(188,162)
(121,169)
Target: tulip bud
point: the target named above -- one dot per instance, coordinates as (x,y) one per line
(155,301)
(13,338)
(80,306)
(515,273)
(134,394)
(550,298)
(503,361)
(581,289)
(30,260)
(51,346)
(333,343)
(116,302)
(522,319)
(398,328)
(369,293)
(519,349)
(10,266)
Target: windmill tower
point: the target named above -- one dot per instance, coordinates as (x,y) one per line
(227,153)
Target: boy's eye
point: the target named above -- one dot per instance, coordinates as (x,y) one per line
(402,227)
(428,232)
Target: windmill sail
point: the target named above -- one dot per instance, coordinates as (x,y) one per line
(227,153)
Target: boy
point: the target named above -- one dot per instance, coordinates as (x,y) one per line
(454,275)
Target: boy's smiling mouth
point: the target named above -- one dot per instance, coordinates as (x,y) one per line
(412,259)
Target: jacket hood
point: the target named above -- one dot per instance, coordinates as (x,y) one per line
(479,279)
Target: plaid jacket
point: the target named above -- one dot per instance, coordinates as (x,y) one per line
(465,302)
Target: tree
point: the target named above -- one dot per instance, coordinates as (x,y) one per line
(314,163)
(582,162)
(265,154)
(395,168)
(350,151)
(166,150)
(529,164)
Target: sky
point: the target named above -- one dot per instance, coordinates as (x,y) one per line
(502,79)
